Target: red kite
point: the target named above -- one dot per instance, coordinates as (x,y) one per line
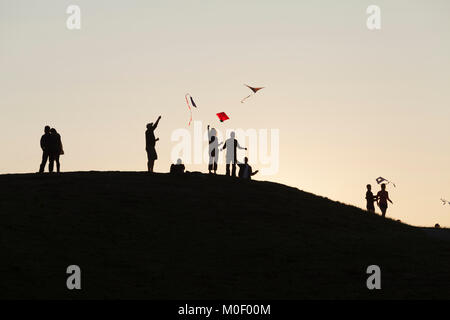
(222,116)
(189,102)
(255,90)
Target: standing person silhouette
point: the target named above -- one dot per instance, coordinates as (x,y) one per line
(370,198)
(150,142)
(231,145)
(382,199)
(55,150)
(45,148)
(213,150)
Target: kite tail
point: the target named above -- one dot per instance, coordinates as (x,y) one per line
(242,101)
(390,182)
(190,110)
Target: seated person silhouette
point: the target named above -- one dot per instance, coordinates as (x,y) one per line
(177,168)
(245,170)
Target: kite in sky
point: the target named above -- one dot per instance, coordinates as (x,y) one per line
(255,90)
(222,116)
(381,179)
(445,202)
(190,102)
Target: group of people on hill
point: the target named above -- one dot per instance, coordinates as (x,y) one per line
(381,199)
(52,149)
(231,145)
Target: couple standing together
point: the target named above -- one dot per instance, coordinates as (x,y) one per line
(52,149)
(381,199)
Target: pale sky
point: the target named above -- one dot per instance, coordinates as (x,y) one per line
(351,104)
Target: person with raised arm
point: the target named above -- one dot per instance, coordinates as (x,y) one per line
(213,149)
(150,142)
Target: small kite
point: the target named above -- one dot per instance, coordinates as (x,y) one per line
(444,202)
(222,116)
(190,102)
(255,90)
(381,179)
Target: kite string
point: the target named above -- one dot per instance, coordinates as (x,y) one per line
(242,101)
(190,110)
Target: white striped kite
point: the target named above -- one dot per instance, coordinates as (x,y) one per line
(255,90)
(190,102)
(381,180)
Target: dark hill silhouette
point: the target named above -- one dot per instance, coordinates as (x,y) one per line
(160,236)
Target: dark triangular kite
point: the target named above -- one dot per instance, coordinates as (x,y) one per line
(255,90)
(193,103)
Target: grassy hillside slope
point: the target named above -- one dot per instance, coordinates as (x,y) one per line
(143,236)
